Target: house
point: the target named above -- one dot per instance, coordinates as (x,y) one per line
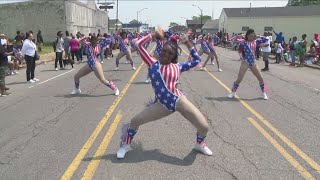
(291,20)
(211,26)
(195,25)
(51,17)
(113,26)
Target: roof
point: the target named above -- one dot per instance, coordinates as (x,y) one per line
(273,11)
(211,24)
(194,22)
(132,25)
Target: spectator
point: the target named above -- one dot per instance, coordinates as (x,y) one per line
(266,50)
(66,46)
(292,47)
(279,38)
(80,52)
(279,50)
(39,41)
(74,47)
(99,33)
(301,49)
(3,69)
(3,40)
(59,50)
(18,40)
(29,52)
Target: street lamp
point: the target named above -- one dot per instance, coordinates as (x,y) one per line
(200,15)
(138,12)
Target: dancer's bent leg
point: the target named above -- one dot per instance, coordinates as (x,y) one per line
(98,71)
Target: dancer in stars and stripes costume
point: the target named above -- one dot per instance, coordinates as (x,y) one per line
(164,74)
(93,50)
(124,49)
(249,48)
(212,50)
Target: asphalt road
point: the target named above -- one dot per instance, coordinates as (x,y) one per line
(47,134)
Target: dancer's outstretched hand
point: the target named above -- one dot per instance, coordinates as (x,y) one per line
(160,33)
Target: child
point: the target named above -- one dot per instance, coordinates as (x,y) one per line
(279,50)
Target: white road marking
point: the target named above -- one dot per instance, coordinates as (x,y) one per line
(52,78)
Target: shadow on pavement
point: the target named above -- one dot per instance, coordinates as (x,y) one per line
(221,99)
(13,83)
(83,95)
(118,70)
(137,154)
(141,82)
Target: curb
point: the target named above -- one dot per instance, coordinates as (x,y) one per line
(313,66)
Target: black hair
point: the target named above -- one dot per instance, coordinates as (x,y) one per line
(250,31)
(123,33)
(18,32)
(174,45)
(58,33)
(94,38)
(90,34)
(67,33)
(28,34)
(304,36)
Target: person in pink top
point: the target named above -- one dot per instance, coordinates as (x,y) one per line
(74,47)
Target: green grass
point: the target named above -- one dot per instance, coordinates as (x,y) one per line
(46,48)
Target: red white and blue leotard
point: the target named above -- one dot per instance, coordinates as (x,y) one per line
(210,45)
(94,52)
(165,77)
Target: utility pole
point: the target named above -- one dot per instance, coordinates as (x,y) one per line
(117,15)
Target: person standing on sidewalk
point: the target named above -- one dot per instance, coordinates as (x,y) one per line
(39,41)
(29,52)
(3,69)
(59,50)
(292,46)
(266,49)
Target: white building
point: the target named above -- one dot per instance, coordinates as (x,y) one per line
(292,21)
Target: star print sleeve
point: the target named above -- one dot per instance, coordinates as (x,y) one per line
(105,43)
(190,64)
(143,52)
(249,57)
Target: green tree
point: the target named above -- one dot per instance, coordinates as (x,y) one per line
(303,2)
(204,18)
(173,24)
(134,21)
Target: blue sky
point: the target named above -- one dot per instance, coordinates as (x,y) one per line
(163,12)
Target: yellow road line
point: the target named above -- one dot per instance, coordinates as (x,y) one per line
(284,153)
(77,160)
(92,167)
(303,155)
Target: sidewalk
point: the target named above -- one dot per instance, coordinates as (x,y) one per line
(45,58)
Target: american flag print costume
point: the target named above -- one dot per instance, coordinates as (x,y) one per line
(210,45)
(203,45)
(164,78)
(249,49)
(123,44)
(159,46)
(94,52)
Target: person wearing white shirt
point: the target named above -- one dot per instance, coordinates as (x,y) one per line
(29,52)
(3,40)
(59,50)
(266,50)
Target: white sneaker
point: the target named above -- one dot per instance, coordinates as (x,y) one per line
(57,69)
(231,95)
(76,91)
(123,151)
(147,81)
(15,72)
(265,97)
(35,79)
(101,62)
(133,68)
(203,148)
(12,73)
(220,70)
(201,68)
(108,58)
(31,81)
(117,92)
(116,69)
(212,63)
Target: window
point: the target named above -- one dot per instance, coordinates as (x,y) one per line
(268,28)
(245,28)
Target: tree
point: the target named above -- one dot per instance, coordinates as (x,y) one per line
(303,2)
(134,21)
(173,24)
(204,18)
